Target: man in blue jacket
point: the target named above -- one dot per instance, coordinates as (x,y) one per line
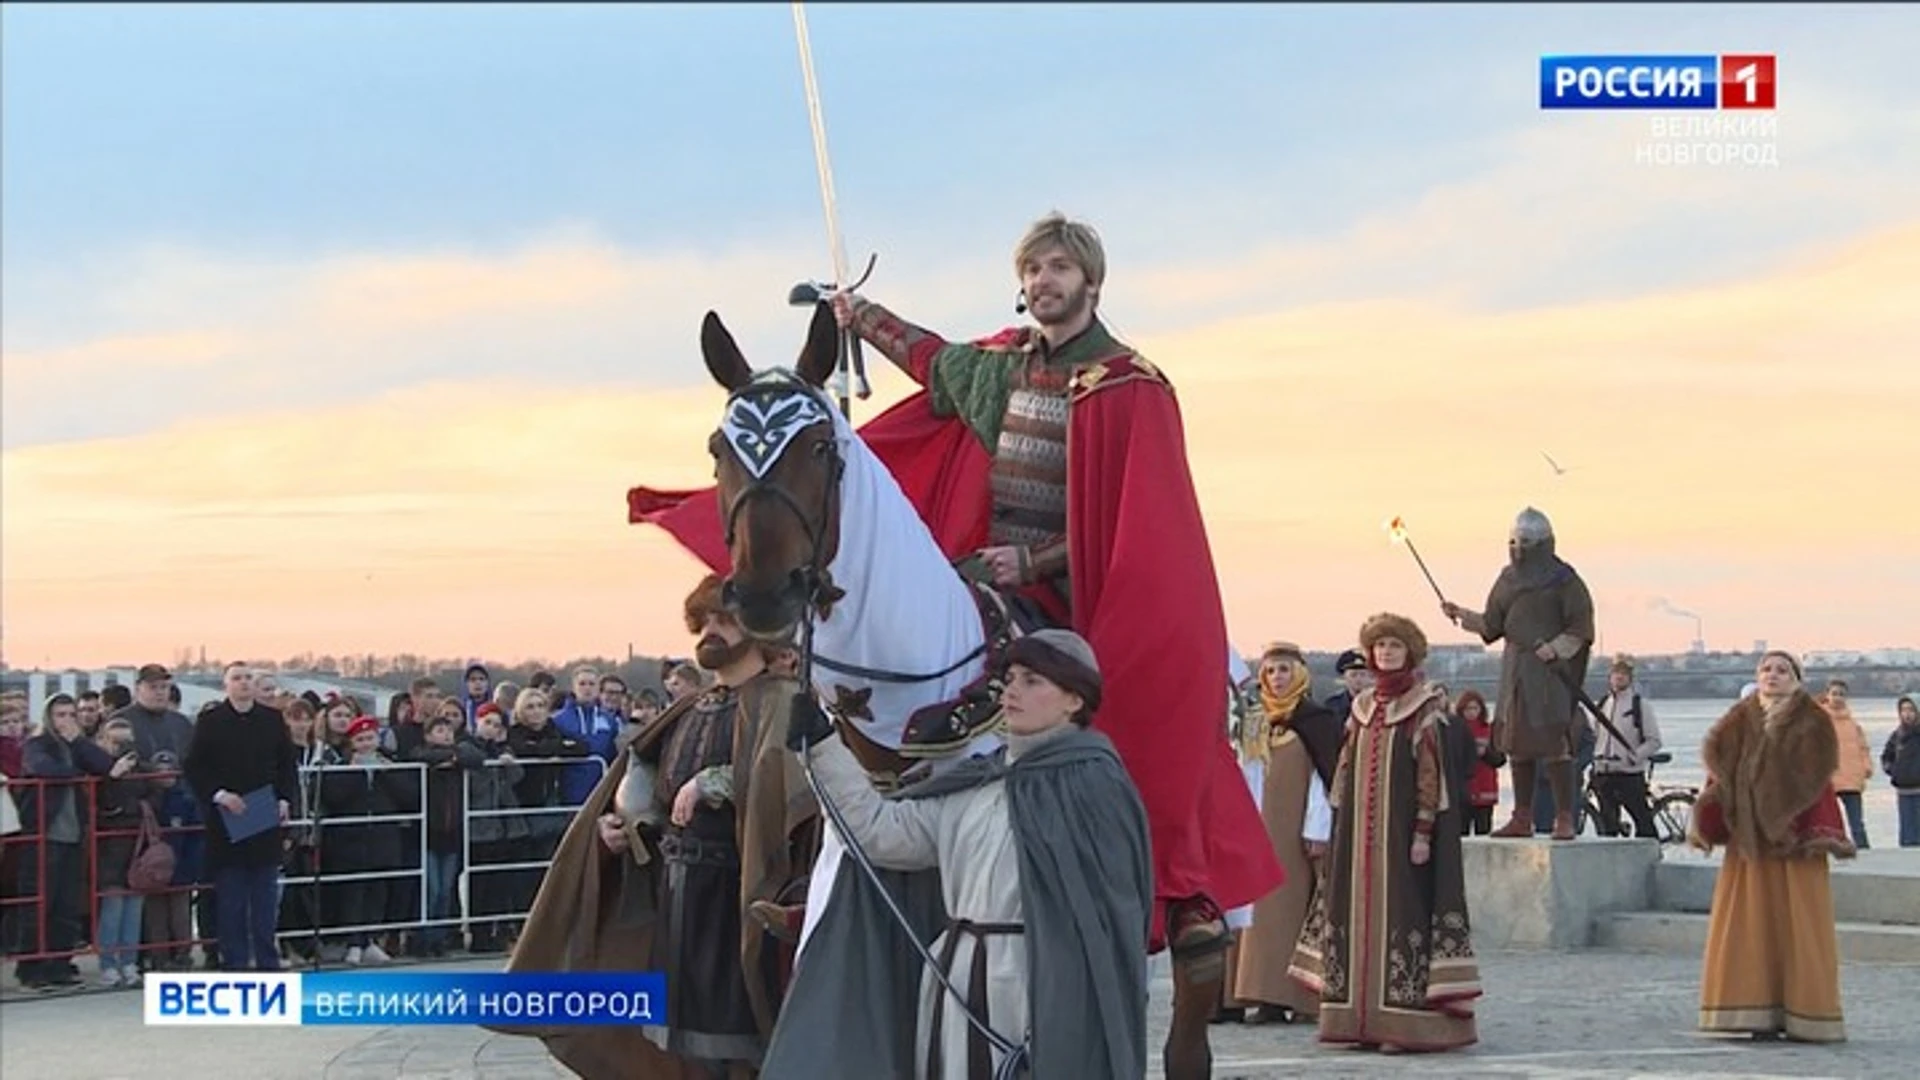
(586,719)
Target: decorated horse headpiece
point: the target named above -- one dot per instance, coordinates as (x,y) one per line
(763,417)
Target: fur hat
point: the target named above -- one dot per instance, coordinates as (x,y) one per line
(1398,627)
(1064,658)
(1287,649)
(703,601)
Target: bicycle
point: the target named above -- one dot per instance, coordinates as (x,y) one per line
(1671,804)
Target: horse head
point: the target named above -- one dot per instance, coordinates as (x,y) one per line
(778,466)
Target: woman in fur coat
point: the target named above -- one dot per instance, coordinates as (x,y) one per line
(1772,962)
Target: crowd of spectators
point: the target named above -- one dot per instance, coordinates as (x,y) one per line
(413,834)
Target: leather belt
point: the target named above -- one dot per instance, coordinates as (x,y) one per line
(979,1056)
(695,852)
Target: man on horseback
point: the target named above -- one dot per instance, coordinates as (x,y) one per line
(1094,522)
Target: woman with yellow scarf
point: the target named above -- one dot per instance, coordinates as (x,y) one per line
(1296,742)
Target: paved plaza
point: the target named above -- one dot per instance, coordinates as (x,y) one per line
(1586,1015)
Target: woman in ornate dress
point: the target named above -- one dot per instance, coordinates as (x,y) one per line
(1387,948)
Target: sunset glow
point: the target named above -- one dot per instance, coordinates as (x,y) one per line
(271,446)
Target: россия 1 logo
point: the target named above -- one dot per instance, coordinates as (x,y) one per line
(1744,81)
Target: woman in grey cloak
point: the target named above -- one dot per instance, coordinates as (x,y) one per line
(1044,875)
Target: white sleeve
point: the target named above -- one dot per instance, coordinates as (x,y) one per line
(896,834)
(1318,826)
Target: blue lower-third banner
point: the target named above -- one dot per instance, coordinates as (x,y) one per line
(294,999)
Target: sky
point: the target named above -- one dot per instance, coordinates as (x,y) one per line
(346,328)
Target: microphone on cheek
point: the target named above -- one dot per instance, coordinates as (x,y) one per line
(1020,302)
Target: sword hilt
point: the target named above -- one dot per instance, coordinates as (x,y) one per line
(853,359)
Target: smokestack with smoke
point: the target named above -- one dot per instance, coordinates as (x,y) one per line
(1661,603)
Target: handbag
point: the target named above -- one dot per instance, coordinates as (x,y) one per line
(152,867)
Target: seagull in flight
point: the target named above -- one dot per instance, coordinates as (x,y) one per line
(1558,469)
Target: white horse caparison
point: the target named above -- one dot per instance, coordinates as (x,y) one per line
(906,610)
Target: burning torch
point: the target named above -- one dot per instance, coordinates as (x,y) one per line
(1397,528)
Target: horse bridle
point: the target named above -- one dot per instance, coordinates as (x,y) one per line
(813,573)
(814,581)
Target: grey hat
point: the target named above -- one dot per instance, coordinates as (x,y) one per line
(1063,657)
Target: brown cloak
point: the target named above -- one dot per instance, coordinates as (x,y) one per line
(597,911)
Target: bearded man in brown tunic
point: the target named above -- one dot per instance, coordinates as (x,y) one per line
(706,813)
(1542,609)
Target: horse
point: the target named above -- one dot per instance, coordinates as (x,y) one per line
(891,628)
(893,631)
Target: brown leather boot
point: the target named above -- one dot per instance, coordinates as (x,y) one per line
(1197,939)
(1187,1055)
(1520,827)
(1563,825)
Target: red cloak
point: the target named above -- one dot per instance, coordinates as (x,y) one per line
(1145,596)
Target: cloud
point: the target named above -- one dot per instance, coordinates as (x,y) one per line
(211,334)
(1553,210)
(1562,210)
(1671,404)
(1715,428)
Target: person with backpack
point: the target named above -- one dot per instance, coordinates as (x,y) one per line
(1619,768)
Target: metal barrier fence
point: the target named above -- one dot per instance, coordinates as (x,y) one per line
(51,899)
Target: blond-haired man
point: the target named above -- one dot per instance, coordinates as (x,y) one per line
(1091,519)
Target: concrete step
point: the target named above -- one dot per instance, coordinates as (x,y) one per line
(1878,887)
(1674,932)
